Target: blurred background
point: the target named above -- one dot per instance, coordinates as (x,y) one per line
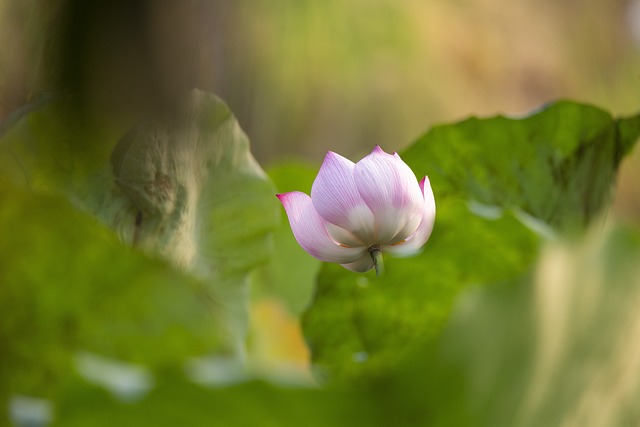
(306,76)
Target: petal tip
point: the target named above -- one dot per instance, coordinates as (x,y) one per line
(331,155)
(424,183)
(287,198)
(332,159)
(378,151)
(284,199)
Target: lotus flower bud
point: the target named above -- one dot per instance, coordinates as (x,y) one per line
(359,209)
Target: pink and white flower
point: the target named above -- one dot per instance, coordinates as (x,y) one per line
(354,209)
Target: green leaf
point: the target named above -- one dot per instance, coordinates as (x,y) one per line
(360,325)
(51,146)
(180,187)
(189,189)
(177,402)
(500,183)
(66,284)
(290,273)
(628,131)
(558,164)
(561,349)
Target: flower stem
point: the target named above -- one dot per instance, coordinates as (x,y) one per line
(376,256)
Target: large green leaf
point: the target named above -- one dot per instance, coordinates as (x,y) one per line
(500,183)
(360,324)
(524,355)
(189,189)
(561,349)
(557,164)
(290,273)
(182,186)
(254,403)
(52,146)
(66,284)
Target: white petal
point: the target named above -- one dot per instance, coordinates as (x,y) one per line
(342,236)
(390,189)
(310,232)
(337,200)
(365,263)
(412,244)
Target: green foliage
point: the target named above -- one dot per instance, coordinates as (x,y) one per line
(182,187)
(67,284)
(254,403)
(497,182)
(290,274)
(560,349)
(486,326)
(372,321)
(51,146)
(558,164)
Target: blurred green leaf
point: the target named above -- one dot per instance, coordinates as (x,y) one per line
(561,349)
(499,184)
(558,164)
(50,145)
(251,404)
(189,189)
(360,324)
(182,186)
(628,131)
(68,284)
(185,188)
(290,273)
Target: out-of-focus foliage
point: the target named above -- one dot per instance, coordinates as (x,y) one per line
(51,146)
(192,192)
(184,188)
(475,330)
(67,284)
(499,183)
(558,165)
(255,403)
(373,321)
(281,290)
(290,273)
(559,349)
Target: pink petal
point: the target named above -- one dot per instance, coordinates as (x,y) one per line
(412,244)
(336,198)
(310,232)
(390,189)
(365,263)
